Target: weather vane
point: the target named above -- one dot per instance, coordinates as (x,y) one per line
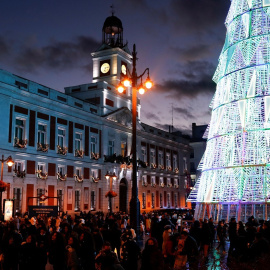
(113,10)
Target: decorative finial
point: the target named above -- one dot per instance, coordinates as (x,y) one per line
(112,8)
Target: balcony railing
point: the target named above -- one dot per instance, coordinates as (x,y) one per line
(19,174)
(61,150)
(61,177)
(42,147)
(41,175)
(78,178)
(20,143)
(94,156)
(79,153)
(94,179)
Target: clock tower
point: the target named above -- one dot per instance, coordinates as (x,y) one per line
(113,58)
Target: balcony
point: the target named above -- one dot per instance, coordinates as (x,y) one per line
(61,177)
(19,174)
(41,175)
(61,150)
(20,143)
(94,156)
(79,153)
(78,178)
(42,147)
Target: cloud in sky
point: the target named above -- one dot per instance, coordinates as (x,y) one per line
(56,55)
(196,80)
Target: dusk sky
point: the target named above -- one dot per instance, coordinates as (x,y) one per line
(50,42)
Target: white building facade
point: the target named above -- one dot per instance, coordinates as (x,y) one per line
(63,144)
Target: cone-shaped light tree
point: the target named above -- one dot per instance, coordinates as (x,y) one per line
(235,177)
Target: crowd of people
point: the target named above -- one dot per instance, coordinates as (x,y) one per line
(106,241)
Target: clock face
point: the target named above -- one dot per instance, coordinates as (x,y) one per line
(105,68)
(124,69)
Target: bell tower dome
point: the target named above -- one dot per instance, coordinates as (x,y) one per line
(112,32)
(113,58)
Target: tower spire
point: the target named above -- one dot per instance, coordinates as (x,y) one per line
(112,9)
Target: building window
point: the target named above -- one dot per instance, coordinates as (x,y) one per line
(184,164)
(169,200)
(123,149)
(60,195)
(160,158)
(77,200)
(78,145)
(61,138)
(143,200)
(144,155)
(168,160)
(93,200)
(153,200)
(61,170)
(153,181)
(78,141)
(153,156)
(144,181)
(161,182)
(17,195)
(42,134)
(40,192)
(111,148)
(42,167)
(93,145)
(19,168)
(160,200)
(175,165)
(78,174)
(175,200)
(19,129)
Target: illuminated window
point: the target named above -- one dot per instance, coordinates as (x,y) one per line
(19,129)
(61,137)
(143,200)
(60,195)
(42,134)
(93,145)
(111,148)
(93,200)
(17,195)
(77,200)
(78,141)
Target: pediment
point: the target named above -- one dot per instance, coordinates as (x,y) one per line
(123,116)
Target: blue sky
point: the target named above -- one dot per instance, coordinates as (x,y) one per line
(50,42)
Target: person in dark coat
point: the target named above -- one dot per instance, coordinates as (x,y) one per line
(42,249)
(190,248)
(152,258)
(196,232)
(206,238)
(130,252)
(11,255)
(28,254)
(86,251)
(57,252)
(232,236)
(221,234)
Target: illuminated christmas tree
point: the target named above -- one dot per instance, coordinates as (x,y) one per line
(235,178)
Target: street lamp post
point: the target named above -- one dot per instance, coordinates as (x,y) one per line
(4,185)
(131,80)
(111,193)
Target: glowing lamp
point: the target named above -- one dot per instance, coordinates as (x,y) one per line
(148,84)
(120,88)
(141,90)
(127,82)
(10,161)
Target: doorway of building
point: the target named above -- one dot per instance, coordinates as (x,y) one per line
(123,195)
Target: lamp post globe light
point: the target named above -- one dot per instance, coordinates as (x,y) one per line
(4,185)
(110,193)
(131,79)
